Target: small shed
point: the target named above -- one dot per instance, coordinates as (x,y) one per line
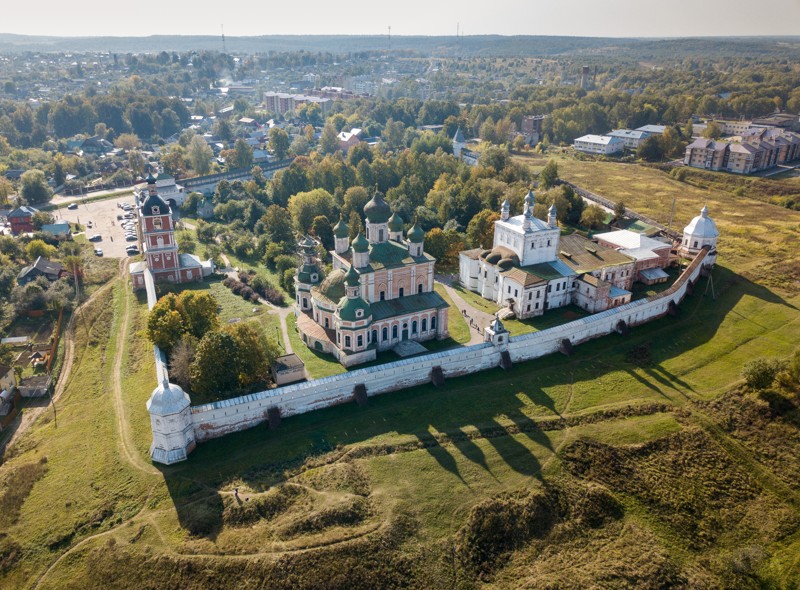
(288,368)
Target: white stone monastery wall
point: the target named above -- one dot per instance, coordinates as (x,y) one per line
(223,417)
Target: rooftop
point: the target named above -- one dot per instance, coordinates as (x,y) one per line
(581,255)
(405,305)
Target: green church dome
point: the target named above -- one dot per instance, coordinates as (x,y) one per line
(377,209)
(348,309)
(416,235)
(340,230)
(360,244)
(352,278)
(395,223)
(333,285)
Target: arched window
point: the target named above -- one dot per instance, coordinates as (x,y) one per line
(424,324)
(394,331)
(385,334)
(414,327)
(375,336)
(157,223)
(419,288)
(433,323)
(400,292)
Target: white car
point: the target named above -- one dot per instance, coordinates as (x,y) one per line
(98,251)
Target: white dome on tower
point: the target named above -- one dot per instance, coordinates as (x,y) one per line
(702,226)
(168,398)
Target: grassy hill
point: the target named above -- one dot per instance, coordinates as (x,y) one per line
(640,461)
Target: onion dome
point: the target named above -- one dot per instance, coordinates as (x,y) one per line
(333,285)
(485,253)
(377,209)
(416,235)
(530,199)
(352,278)
(340,230)
(395,223)
(360,244)
(702,226)
(151,179)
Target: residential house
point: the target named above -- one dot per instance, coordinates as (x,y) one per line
(60,229)
(52,271)
(348,139)
(21,219)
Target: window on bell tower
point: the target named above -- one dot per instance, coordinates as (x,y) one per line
(157,224)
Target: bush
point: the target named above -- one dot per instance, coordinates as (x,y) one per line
(761,373)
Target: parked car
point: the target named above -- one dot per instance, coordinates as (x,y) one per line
(95,238)
(131,237)
(119,217)
(72,206)
(132,250)
(98,251)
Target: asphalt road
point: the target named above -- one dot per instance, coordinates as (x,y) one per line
(103,217)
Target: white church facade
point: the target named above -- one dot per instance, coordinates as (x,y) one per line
(531,267)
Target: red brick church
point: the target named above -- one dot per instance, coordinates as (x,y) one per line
(158,245)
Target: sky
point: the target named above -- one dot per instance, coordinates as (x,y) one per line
(583,18)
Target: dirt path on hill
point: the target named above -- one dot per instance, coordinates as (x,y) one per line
(125,437)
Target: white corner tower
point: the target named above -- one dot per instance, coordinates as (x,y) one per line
(171,422)
(505,210)
(552,216)
(701,232)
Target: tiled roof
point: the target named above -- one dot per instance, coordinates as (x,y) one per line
(526,279)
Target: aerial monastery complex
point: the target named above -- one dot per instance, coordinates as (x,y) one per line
(380,295)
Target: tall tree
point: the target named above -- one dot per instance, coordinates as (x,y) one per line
(549,175)
(217,363)
(33,187)
(200,155)
(279,142)
(480,230)
(242,155)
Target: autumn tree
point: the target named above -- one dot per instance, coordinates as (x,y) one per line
(165,323)
(199,311)
(33,187)
(256,353)
(128,141)
(37,248)
(279,142)
(200,155)
(593,217)
(215,370)
(305,206)
(480,230)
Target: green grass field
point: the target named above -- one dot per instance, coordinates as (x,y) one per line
(573,472)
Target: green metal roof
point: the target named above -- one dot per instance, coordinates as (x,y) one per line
(405,305)
(348,308)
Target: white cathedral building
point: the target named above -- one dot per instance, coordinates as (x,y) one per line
(531,267)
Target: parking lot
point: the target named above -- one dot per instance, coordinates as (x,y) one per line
(102,215)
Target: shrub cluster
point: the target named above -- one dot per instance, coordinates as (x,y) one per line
(250,287)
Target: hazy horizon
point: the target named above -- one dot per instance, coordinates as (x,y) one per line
(572,18)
